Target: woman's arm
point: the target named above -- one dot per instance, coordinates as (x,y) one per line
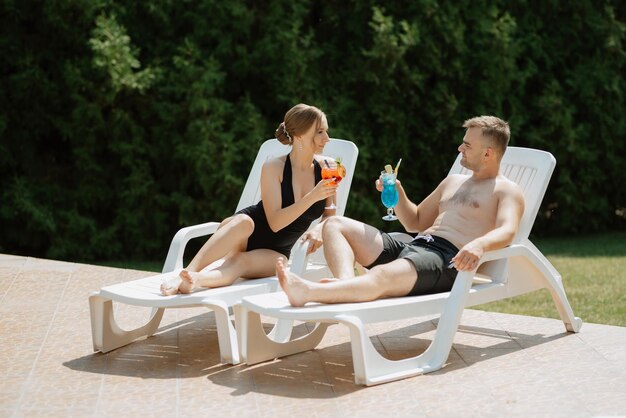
(278,217)
(314,235)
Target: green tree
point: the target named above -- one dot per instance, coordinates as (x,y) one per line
(120,122)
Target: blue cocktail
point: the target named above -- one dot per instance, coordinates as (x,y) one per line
(389,196)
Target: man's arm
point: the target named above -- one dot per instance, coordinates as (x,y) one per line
(508,216)
(417,218)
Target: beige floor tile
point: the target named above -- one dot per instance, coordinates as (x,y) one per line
(7,278)
(8,258)
(605,401)
(137,407)
(23,329)
(12,386)
(40,264)
(29,411)
(7,275)
(475,355)
(472,336)
(411,344)
(500,365)
(17,360)
(8,412)
(149,393)
(608,344)
(224,407)
(58,392)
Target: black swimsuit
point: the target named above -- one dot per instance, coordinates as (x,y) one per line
(282,241)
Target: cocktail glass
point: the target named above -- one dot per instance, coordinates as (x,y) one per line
(389,196)
(336,171)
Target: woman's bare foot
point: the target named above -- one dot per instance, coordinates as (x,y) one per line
(170,286)
(188,282)
(295,287)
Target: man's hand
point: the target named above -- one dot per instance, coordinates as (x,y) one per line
(468,257)
(379,184)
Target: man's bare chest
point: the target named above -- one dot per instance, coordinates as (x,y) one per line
(470,196)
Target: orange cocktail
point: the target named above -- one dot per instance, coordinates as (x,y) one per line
(335,171)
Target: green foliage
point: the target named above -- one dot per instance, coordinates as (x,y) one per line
(120,122)
(113,52)
(592,270)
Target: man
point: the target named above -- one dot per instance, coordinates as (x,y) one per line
(477,212)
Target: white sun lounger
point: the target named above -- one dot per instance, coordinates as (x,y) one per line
(514,270)
(107,335)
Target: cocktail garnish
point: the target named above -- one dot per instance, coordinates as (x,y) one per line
(397,166)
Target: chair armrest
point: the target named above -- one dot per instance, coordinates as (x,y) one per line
(511,250)
(299,258)
(174,259)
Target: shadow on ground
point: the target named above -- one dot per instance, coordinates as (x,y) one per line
(189,349)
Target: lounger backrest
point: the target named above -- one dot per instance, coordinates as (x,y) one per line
(272,148)
(531,169)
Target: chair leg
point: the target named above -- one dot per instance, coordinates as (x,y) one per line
(572,323)
(371,368)
(252,335)
(105,332)
(226,334)
(281,332)
(554,284)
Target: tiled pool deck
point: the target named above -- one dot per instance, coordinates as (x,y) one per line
(500,365)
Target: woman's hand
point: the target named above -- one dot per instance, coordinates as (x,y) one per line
(314,236)
(323,189)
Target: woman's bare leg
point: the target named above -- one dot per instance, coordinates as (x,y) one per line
(249,264)
(231,237)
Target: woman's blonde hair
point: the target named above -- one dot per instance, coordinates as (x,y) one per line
(298,120)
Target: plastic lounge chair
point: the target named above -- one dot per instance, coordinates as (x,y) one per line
(107,335)
(514,270)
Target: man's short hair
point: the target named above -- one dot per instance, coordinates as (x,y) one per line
(494,129)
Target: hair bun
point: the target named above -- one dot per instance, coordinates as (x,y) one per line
(283,135)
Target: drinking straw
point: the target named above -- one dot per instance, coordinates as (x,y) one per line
(397,166)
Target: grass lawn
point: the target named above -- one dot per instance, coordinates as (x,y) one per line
(593,268)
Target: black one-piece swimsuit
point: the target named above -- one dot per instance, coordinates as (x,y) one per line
(282,241)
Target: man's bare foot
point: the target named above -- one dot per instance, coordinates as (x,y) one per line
(188,282)
(295,287)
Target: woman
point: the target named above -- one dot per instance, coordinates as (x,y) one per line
(293,195)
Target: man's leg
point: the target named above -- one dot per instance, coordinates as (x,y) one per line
(346,240)
(384,281)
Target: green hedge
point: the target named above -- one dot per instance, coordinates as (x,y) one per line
(122,121)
